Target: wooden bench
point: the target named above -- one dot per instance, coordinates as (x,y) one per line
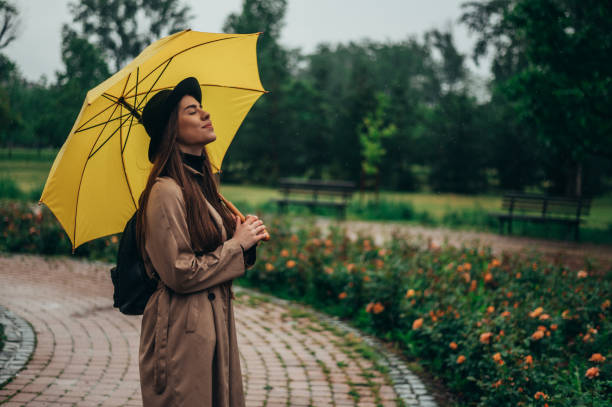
(313,193)
(543,209)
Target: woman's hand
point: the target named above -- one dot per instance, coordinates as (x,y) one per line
(249,232)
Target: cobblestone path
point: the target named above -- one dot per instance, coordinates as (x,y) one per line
(86,352)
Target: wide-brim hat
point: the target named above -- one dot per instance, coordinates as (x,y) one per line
(158,109)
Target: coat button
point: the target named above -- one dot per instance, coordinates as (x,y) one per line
(211,296)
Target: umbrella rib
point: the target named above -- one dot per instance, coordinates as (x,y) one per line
(93,117)
(91,154)
(127,181)
(131,121)
(76,206)
(210,85)
(154,83)
(185,50)
(102,124)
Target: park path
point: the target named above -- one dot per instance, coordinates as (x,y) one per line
(86,352)
(573,254)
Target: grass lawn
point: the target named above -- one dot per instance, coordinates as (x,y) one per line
(30,168)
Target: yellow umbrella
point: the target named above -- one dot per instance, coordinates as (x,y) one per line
(102,168)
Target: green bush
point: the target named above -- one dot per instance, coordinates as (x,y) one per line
(498,331)
(9,189)
(32,228)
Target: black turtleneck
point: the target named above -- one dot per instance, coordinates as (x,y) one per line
(194,161)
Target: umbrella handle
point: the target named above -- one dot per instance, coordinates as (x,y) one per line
(240,215)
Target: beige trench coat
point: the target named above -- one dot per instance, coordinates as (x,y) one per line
(188,348)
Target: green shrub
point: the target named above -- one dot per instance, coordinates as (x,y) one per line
(9,189)
(467,316)
(381,210)
(498,331)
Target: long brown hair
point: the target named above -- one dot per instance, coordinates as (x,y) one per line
(205,236)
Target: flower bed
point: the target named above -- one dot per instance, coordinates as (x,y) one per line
(498,331)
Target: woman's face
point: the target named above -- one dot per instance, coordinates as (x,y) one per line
(195,129)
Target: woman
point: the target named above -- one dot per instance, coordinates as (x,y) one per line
(195,246)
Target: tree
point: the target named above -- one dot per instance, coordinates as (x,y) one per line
(123,28)
(9,21)
(84,68)
(260,146)
(553,61)
(374,131)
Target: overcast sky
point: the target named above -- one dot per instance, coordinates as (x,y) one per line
(307,23)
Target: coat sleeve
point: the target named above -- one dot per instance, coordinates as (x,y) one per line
(168,245)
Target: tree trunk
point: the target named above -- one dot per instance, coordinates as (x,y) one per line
(579,180)
(361,186)
(377,187)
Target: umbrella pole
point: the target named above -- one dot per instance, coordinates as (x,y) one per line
(237,212)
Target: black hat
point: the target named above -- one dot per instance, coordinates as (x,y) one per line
(157,111)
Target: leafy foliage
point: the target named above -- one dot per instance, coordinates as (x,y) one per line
(123,28)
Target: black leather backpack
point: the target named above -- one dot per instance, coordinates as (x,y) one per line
(133,286)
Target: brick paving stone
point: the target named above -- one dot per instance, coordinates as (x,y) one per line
(87,352)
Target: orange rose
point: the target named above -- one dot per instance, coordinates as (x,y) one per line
(544,317)
(350,267)
(473,286)
(537,335)
(453,345)
(284,253)
(269,267)
(486,337)
(540,394)
(378,308)
(505,314)
(553,327)
(460,359)
(597,357)
(369,307)
(497,384)
(536,312)
(467,266)
(529,360)
(417,323)
(592,372)
(342,295)
(488,277)
(410,293)
(582,274)
(328,270)
(290,264)
(606,304)
(490,309)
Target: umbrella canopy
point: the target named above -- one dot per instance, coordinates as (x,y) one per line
(99,173)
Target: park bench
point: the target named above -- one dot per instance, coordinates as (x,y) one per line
(315,193)
(543,209)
